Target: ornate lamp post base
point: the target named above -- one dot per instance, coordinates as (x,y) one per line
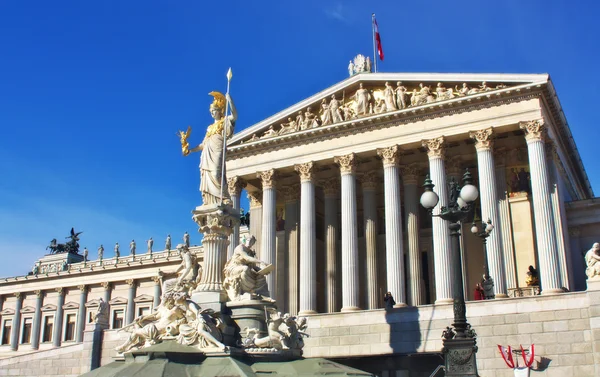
(459,356)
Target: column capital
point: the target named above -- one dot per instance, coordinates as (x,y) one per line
(346,163)
(235,185)
(38,293)
(60,291)
(410,174)
(156,280)
(483,139)
(435,147)
(18,295)
(305,171)
(267,178)
(390,155)
(535,130)
(500,156)
(290,193)
(369,180)
(255,198)
(130,282)
(82,288)
(105,285)
(331,187)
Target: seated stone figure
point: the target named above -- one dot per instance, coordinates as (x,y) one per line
(243,279)
(592,260)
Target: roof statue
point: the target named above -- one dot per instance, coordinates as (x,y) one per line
(72,246)
(360,64)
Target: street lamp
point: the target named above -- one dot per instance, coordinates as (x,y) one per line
(487,283)
(459,342)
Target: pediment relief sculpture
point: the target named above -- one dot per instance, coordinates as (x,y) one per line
(369,99)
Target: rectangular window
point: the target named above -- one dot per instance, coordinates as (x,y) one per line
(48,326)
(6,331)
(70,327)
(145,310)
(118,318)
(26,334)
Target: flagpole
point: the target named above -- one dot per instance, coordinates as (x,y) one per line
(374,46)
(225,135)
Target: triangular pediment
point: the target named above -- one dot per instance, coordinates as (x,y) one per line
(71,305)
(8,311)
(49,308)
(118,301)
(367,97)
(28,309)
(143,298)
(92,303)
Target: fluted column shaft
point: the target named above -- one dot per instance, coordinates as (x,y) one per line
(130,303)
(505,226)
(37,319)
(291,236)
(268,252)
(83,292)
(416,291)
(350,289)
(16,323)
(157,293)
(489,208)
(442,250)
(256,211)
(235,186)
(331,190)
(542,208)
(369,185)
(58,318)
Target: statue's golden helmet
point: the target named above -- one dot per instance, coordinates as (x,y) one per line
(218,101)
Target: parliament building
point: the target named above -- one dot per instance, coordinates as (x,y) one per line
(334,185)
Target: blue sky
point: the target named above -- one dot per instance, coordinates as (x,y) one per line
(93,92)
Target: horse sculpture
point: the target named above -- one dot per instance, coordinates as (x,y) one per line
(70,247)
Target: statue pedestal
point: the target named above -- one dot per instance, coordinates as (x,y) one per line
(459,356)
(251,314)
(593,284)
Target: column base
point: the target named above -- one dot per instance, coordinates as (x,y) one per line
(401,305)
(307,312)
(350,309)
(444,301)
(552,291)
(501,295)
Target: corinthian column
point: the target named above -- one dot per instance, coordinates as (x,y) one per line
(505,227)
(290,194)
(308,240)
(268,251)
(130,303)
(58,318)
(489,207)
(156,297)
(37,319)
(369,183)
(535,134)
(350,290)
(235,186)
(331,189)
(442,251)
(16,325)
(394,246)
(81,312)
(416,292)
(255,198)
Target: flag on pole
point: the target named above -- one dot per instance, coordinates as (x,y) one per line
(377,38)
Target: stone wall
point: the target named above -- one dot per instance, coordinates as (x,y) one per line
(564,328)
(66,361)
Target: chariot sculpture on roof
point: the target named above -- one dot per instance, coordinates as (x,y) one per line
(70,247)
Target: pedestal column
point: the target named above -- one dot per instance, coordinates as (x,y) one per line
(157,293)
(58,318)
(256,210)
(235,186)
(442,255)
(369,183)
(394,245)
(535,134)
(16,325)
(268,251)
(130,303)
(37,319)
(416,291)
(331,189)
(489,207)
(350,290)
(505,227)
(83,292)
(308,240)
(292,229)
